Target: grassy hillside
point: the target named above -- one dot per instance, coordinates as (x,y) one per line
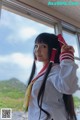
(12,94)
(77,102)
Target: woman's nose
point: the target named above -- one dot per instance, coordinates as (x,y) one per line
(38,48)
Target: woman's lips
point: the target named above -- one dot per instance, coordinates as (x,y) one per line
(39,56)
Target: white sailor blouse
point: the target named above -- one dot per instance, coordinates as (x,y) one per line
(61,80)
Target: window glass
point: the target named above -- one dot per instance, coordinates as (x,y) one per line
(17,35)
(71,39)
(77,93)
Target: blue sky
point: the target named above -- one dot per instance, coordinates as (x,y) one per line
(17,35)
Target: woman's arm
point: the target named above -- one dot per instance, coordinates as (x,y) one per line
(65,80)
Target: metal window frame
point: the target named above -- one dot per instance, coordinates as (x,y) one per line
(29,12)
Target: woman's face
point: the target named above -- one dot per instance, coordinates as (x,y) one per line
(41,52)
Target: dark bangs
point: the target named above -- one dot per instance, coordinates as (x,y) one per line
(50,39)
(42,38)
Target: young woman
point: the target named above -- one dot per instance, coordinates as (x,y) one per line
(52,89)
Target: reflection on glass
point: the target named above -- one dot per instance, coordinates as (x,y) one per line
(71,39)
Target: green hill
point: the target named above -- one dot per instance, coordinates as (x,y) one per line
(12,94)
(12,85)
(77,102)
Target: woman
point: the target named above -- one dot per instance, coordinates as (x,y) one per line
(52,89)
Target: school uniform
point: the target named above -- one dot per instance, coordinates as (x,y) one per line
(61,80)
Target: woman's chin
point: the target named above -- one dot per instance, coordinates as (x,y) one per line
(40,60)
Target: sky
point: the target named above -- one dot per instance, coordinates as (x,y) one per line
(17,35)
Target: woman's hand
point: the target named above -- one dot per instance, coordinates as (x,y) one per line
(67,48)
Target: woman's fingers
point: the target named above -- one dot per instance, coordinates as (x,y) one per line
(66,48)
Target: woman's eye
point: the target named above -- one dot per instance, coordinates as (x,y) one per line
(44,46)
(36,46)
(41,46)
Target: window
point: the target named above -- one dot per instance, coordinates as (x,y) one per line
(17,35)
(71,39)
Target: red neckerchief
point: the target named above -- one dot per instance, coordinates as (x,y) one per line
(42,71)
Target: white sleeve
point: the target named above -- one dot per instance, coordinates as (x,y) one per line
(65,79)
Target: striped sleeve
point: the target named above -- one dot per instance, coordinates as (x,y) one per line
(67,55)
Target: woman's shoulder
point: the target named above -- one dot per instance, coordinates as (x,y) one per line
(55,69)
(55,66)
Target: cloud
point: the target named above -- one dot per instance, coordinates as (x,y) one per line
(20,31)
(22,60)
(16,65)
(22,34)
(26,33)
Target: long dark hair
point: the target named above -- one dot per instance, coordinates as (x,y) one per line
(52,41)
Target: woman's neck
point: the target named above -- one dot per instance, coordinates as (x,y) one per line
(45,63)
